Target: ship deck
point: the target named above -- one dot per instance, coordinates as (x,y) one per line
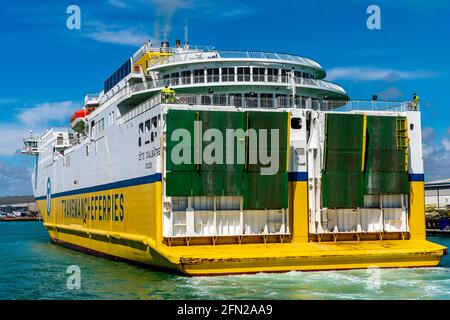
(312,256)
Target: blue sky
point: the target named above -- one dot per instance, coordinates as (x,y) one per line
(47,69)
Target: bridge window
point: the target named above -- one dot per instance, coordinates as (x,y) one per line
(243,74)
(185,77)
(272,75)
(213,75)
(284,75)
(236,99)
(199,76)
(227,74)
(175,78)
(267,100)
(258,74)
(251,100)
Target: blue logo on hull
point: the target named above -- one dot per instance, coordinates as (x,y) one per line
(49,196)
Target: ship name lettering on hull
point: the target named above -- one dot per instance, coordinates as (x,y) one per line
(106,207)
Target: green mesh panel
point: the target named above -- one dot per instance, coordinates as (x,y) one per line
(259,192)
(385,162)
(342,180)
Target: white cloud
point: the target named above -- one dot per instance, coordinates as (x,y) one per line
(37,118)
(118,3)
(46,112)
(391,93)
(446,144)
(373,74)
(130,37)
(15,179)
(428,134)
(436,156)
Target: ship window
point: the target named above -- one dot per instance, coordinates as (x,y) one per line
(206,100)
(152,137)
(272,75)
(199,76)
(227,74)
(236,100)
(296,123)
(87,150)
(159,120)
(186,77)
(141,128)
(139,141)
(154,122)
(305,75)
(282,100)
(284,75)
(175,78)
(147,126)
(267,100)
(251,100)
(213,75)
(243,74)
(219,99)
(258,74)
(411,126)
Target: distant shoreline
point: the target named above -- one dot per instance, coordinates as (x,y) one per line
(19,219)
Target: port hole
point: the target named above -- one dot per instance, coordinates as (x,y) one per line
(296,123)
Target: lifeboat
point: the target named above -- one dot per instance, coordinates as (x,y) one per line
(78,119)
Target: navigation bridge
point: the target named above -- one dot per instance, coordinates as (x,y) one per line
(225,74)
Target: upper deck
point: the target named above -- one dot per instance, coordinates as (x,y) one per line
(200,55)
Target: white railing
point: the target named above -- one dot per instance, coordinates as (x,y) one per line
(209,53)
(287,102)
(199,80)
(239,101)
(141,108)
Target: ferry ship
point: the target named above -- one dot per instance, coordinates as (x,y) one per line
(211,162)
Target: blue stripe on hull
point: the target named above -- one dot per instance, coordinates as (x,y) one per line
(416,177)
(298,176)
(293,176)
(108,186)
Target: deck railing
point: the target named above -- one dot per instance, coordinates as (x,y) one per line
(239,101)
(211,79)
(209,53)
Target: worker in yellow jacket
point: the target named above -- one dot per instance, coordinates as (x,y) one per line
(415,101)
(168,94)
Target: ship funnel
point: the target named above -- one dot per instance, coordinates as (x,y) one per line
(165,46)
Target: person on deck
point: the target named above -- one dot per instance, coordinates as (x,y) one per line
(166,93)
(415,101)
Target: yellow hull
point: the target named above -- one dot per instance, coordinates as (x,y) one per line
(251,258)
(130,229)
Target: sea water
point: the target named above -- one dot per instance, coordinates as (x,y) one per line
(33,268)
